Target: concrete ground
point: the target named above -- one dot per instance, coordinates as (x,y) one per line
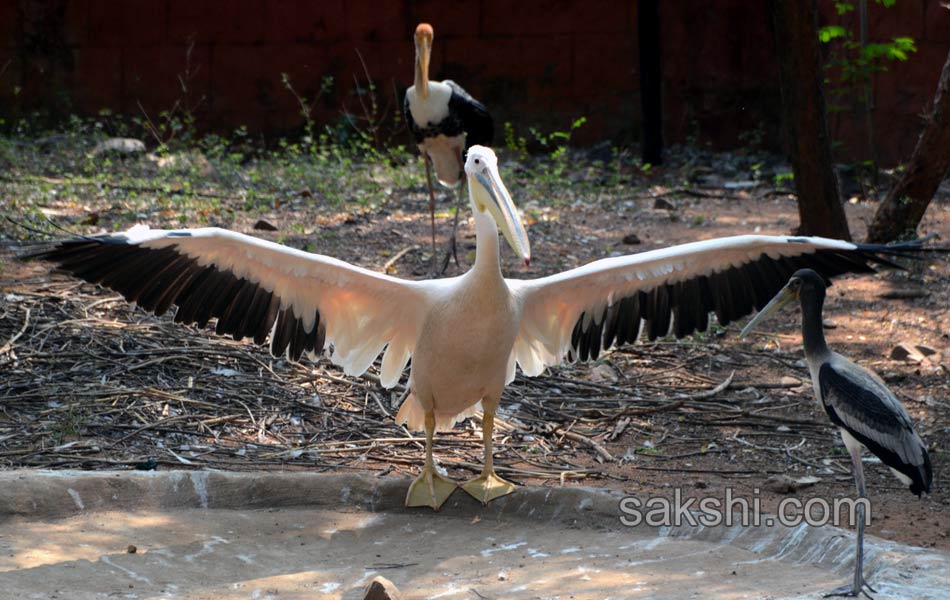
(273,536)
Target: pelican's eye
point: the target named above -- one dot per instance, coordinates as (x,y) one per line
(478,161)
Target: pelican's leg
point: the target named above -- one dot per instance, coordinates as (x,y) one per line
(429,489)
(857,587)
(428,162)
(488,486)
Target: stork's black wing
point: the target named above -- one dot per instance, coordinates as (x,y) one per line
(478,124)
(860,403)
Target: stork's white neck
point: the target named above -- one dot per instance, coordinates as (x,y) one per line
(434,108)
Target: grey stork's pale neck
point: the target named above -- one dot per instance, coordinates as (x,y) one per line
(421,81)
(812,299)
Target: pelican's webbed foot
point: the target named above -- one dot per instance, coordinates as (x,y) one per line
(429,489)
(488,486)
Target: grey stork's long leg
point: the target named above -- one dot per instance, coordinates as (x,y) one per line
(452,250)
(428,162)
(856,588)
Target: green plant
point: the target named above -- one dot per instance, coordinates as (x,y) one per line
(515,143)
(178,122)
(69,426)
(852,61)
(307,106)
(557,146)
(787,177)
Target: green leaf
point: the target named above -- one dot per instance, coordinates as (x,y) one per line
(905,44)
(830,32)
(843,8)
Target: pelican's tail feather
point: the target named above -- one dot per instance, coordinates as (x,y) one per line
(412,415)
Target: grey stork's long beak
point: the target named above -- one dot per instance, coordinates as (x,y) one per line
(785,296)
(423,42)
(491,194)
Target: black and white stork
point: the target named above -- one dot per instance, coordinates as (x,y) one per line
(466,335)
(865,411)
(445,122)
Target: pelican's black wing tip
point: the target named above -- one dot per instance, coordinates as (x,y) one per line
(914,246)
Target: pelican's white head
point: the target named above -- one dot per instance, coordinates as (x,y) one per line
(423,41)
(489,194)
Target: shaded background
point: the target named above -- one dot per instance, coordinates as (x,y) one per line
(538,63)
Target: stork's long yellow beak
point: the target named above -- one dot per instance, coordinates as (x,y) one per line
(490,193)
(785,296)
(423,41)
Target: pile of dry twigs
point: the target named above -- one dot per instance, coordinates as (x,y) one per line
(88,381)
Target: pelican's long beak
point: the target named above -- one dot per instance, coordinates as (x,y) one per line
(423,40)
(489,193)
(785,296)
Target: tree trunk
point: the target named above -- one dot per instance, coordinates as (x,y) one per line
(651,107)
(906,203)
(820,210)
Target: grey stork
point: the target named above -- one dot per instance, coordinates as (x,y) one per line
(466,335)
(445,121)
(859,403)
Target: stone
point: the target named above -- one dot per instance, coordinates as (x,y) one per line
(263,225)
(663,204)
(127,146)
(381,588)
(908,293)
(906,351)
(631,239)
(783,484)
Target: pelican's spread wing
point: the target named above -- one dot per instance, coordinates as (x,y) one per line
(577,313)
(257,289)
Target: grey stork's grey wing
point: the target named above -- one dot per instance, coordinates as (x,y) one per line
(858,402)
(861,404)
(255,289)
(578,313)
(476,121)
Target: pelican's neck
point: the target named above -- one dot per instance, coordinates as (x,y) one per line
(813,333)
(486,245)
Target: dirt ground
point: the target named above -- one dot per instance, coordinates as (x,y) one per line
(766,423)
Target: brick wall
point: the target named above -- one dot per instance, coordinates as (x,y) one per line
(535,63)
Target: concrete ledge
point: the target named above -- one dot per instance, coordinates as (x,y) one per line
(578,513)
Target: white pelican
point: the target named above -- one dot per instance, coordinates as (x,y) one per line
(445,122)
(465,334)
(866,412)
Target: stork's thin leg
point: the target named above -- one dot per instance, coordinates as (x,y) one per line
(488,486)
(857,587)
(428,162)
(429,489)
(452,250)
